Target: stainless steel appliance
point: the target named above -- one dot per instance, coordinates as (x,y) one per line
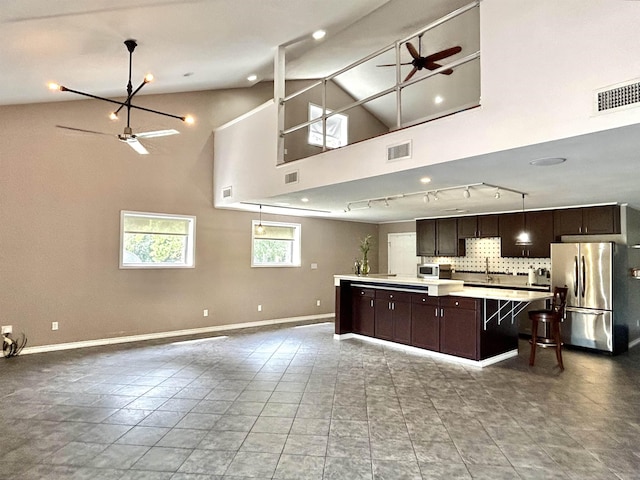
(434,270)
(589,270)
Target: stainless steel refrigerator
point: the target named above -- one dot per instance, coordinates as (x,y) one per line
(589,270)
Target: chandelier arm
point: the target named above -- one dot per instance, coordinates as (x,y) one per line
(122,104)
(128,100)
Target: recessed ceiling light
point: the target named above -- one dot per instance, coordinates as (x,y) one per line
(438,99)
(304,199)
(547,162)
(252,78)
(425,180)
(319,34)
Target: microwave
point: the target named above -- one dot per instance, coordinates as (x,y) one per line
(434,270)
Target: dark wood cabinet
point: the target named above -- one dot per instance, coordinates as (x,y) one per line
(468,227)
(488,226)
(393,316)
(425,322)
(362,311)
(586,221)
(459,325)
(540,228)
(479,226)
(438,238)
(426,238)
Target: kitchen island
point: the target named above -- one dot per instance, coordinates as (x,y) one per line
(442,318)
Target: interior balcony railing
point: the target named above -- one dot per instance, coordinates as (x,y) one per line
(395,87)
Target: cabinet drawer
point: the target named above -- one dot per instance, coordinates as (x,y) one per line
(458,302)
(424,299)
(391,296)
(363,292)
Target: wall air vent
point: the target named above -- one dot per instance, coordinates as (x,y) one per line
(618,97)
(291,177)
(226,192)
(399,151)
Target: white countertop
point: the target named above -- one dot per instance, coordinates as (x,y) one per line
(443,287)
(501,294)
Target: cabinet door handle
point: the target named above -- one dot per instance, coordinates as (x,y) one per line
(436,312)
(393,305)
(372,303)
(442,312)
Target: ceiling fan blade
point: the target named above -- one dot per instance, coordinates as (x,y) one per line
(136,145)
(157,133)
(412,50)
(433,66)
(434,57)
(393,64)
(411,73)
(74,129)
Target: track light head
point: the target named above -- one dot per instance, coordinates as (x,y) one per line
(425,199)
(466,193)
(497,195)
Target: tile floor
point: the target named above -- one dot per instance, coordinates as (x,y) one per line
(293,403)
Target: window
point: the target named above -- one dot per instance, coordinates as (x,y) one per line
(156,240)
(337,128)
(275,244)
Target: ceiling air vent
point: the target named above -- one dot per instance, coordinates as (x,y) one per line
(399,151)
(226,192)
(623,95)
(291,177)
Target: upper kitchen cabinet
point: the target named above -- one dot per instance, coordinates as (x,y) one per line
(481,226)
(438,237)
(540,228)
(586,221)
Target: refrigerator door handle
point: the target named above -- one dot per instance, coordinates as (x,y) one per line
(584,277)
(575,276)
(588,311)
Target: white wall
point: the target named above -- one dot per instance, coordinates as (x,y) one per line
(541,62)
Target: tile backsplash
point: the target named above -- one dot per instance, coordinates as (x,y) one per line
(479,249)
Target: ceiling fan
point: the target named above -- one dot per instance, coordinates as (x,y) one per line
(128,137)
(429,62)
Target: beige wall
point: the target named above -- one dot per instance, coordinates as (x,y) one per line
(362,123)
(60,202)
(383,231)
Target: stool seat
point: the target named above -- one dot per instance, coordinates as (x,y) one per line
(554,318)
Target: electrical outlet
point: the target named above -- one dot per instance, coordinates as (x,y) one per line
(314,266)
(317,303)
(54,325)
(259,308)
(205,312)
(7,329)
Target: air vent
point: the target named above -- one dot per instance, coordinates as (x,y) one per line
(623,95)
(291,177)
(226,192)
(399,151)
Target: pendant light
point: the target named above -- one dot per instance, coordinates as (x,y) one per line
(523,237)
(260,228)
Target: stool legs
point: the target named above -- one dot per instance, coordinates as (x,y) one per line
(558,340)
(534,340)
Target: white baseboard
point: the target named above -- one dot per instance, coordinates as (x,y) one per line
(174,333)
(429,353)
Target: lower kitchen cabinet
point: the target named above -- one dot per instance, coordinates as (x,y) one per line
(425,322)
(362,310)
(393,316)
(459,322)
(451,325)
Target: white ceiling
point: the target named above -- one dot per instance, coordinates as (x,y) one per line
(214,44)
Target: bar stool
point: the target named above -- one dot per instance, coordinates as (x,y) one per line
(552,317)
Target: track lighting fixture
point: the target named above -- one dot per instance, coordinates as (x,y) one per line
(466,193)
(497,195)
(425,199)
(435,196)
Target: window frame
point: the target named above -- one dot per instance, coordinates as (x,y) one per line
(190,247)
(296,255)
(345,127)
